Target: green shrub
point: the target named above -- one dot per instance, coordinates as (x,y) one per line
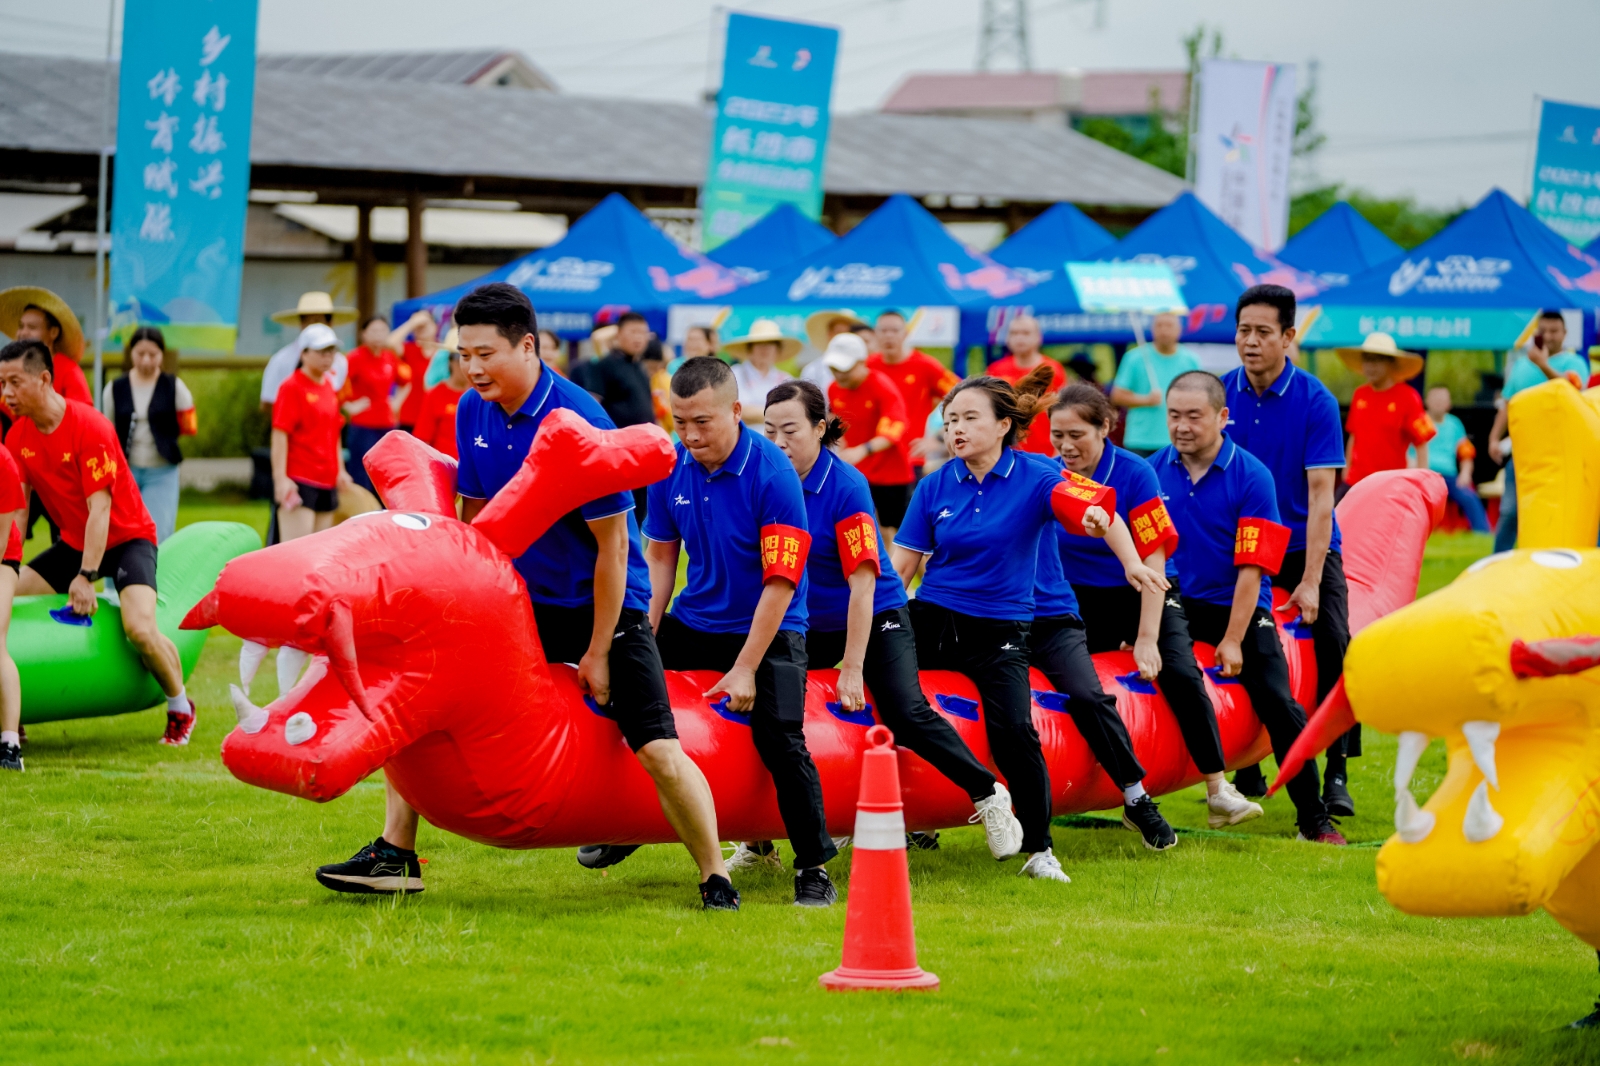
(228,408)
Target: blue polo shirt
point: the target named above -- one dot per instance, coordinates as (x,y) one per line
(982,539)
(718,518)
(1207,513)
(559,568)
(1292,427)
(835,491)
(1087,560)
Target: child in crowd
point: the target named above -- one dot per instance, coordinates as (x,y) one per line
(1451,453)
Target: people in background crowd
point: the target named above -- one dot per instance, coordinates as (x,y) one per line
(306,475)
(13,512)
(368,396)
(553,352)
(698,341)
(1386,416)
(875,428)
(33,314)
(1451,454)
(654,362)
(922,380)
(314,307)
(1024,342)
(621,381)
(414,342)
(1141,383)
(755,369)
(151,410)
(436,426)
(822,327)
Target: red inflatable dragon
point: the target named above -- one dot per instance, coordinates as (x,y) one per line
(426,662)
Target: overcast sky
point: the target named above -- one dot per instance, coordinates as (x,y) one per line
(1432,98)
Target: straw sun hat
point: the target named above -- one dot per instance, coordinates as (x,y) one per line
(1407,366)
(314,303)
(762,330)
(817,323)
(14,301)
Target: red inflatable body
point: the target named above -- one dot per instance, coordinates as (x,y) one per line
(427,663)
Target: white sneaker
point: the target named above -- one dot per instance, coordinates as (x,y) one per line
(1229,807)
(1043,866)
(1000,826)
(745,857)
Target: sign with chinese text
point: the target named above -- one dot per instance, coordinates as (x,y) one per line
(771,133)
(1425,328)
(183,169)
(1242,143)
(1109,288)
(1566,171)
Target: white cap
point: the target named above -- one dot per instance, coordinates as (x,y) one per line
(318,336)
(844,352)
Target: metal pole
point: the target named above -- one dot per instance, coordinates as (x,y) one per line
(100,213)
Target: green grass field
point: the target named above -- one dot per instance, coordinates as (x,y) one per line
(155,909)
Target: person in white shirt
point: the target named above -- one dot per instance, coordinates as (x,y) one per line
(313,307)
(756,370)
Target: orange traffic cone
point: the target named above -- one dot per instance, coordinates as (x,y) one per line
(880,948)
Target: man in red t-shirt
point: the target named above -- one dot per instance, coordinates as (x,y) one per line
(70,455)
(1386,415)
(922,380)
(874,415)
(437,425)
(1025,341)
(13,512)
(368,395)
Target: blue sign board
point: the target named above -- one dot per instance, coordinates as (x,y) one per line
(185,92)
(771,133)
(1107,288)
(1566,171)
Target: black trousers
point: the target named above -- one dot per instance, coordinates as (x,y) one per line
(1057,646)
(993,652)
(777,723)
(1111,618)
(890,671)
(1330,633)
(1265,676)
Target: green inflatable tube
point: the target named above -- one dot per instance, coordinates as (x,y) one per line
(70,670)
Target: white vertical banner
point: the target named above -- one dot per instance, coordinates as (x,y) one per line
(1243,142)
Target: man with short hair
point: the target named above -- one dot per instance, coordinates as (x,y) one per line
(874,417)
(622,384)
(590,591)
(923,381)
(1025,342)
(1224,504)
(70,456)
(1289,420)
(1146,430)
(734,501)
(313,307)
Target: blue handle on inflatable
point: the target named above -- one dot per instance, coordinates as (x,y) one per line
(1134,683)
(1215,673)
(1052,701)
(862,717)
(603,712)
(724,711)
(957,706)
(68,617)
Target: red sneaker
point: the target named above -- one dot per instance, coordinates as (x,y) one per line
(179,726)
(1327,835)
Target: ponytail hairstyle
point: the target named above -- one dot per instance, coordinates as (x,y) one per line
(1020,403)
(815,405)
(1088,403)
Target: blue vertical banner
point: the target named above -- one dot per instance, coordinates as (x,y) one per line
(186,86)
(771,133)
(1566,171)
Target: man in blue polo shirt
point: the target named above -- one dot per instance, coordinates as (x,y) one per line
(590,592)
(734,501)
(1289,420)
(1224,504)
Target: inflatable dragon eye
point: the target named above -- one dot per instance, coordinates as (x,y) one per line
(1488,561)
(1558,559)
(412,521)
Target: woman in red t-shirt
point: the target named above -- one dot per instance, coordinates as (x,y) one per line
(13,512)
(412,358)
(306,475)
(369,395)
(436,426)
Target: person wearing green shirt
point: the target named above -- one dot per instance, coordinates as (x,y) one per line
(1450,454)
(1145,401)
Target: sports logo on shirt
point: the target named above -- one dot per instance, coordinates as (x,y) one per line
(28,453)
(478,442)
(944,513)
(680,500)
(312,397)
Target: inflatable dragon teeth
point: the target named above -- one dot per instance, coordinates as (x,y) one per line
(426,662)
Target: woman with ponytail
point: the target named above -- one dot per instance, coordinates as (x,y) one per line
(973,529)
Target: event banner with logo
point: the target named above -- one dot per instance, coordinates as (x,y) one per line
(771,133)
(1141,288)
(183,169)
(1243,142)
(1566,171)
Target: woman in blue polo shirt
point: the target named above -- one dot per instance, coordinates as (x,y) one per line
(857,607)
(974,527)
(1116,615)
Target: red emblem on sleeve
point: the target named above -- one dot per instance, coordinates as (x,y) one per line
(1152,529)
(1260,542)
(1075,495)
(783,552)
(858,543)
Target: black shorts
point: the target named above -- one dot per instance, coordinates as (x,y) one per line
(133,562)
(639,703)
(317,498)
(891,502)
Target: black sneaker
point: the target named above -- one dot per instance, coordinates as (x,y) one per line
(1250,782)
(599,856)
(1143,816)
(923,841)
(812,888)
(718,894)
(1336,797)
(379,868)
(11,757)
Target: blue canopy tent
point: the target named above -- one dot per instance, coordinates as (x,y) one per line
(777,239)
(611,260)
(1062,234)
(1478,283)
(1338,245)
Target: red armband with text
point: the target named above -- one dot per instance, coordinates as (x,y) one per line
(1075,495)
(858,543)
(1423,430)
(1152,529)
(783,552)
(188,423)
(1260,542)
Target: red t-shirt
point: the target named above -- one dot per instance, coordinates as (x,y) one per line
(1382,426)
(308,413)
(67,377)
(436,426)
(875,409)
(372,376)
(1038,438)
(11,501)
(412,369)
(923,382)
(80,457)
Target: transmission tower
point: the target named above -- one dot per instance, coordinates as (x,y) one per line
(1004,35)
